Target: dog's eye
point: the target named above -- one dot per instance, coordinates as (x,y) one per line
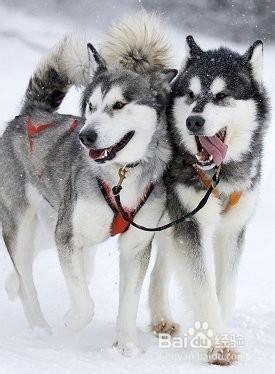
(220,96)
(91,108)
(190,94)
(118,105)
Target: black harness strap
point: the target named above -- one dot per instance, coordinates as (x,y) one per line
(117,189)
(106,196)
(118,226)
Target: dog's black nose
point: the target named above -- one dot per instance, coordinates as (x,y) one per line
(195,123)
(88,138)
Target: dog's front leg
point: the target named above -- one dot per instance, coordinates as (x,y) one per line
(191,246)
(71,260)
(135,249)
(134,259)
(228,250)
(161,320)
(229,243)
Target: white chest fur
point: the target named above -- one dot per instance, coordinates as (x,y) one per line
(211,216)
(92,219)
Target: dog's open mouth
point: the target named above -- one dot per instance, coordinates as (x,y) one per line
(211,150)
(107,154)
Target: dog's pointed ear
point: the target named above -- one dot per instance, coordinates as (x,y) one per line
(167,75)
(192,51)
(94,57)
(254,55)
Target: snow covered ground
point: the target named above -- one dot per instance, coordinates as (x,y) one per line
(22,40)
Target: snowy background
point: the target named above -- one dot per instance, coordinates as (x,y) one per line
(27,29)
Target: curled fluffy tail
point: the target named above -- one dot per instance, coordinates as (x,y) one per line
(65,65)
(138,43)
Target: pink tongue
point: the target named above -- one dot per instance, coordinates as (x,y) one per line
(215,147)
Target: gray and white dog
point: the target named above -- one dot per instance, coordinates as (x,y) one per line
(67,165)
(218,116)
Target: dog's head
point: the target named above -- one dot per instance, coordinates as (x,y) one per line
(217,101)
(122,111)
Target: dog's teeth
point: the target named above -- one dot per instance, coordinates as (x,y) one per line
(211,158)
(105,153)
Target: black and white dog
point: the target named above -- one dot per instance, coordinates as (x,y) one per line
(218,116)
(44,167)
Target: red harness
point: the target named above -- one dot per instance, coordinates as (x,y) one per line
(119,225)
(35,129)
(32,130)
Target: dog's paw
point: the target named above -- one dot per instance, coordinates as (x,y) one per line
(76,320)
(165,327)
(128,349)
(41,332)
(223,356)
(38,332)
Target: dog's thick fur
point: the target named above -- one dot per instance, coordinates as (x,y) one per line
(226,90)
(44,166)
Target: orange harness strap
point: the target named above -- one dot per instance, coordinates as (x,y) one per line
(206,182)
(233,200)
(234,197)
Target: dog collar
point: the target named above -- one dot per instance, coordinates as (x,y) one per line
(133,165)
(233,198)
(119,224)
